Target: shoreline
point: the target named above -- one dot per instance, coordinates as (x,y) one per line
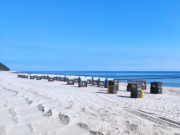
(167,81)
(86,110)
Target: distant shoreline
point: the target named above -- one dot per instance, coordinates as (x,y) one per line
(169,79)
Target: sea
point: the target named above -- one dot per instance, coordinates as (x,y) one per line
(169,78)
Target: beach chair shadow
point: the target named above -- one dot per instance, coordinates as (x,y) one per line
(101,92)
(73,86)
(124,96)
(123,91)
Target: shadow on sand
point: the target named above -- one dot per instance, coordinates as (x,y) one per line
(123,96)
(101,92)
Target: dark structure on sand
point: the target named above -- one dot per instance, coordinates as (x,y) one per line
(3,67)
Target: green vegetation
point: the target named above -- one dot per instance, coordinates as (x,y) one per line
(3,67)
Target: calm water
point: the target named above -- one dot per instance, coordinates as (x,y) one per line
(168,78)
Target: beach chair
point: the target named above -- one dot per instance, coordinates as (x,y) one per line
(130,86)
(38,77)
(113,86)
(82,82)
(136,92)
(25,76)
(70,81)
(32,76)
(66,78)
(116,85)
(156,88)
(95,81)
(89,80)
(140,84)
(62,78)
(20,75)
(50,78)
(76,78)
(143,83)
(44,76)
(56,77)
(101,82)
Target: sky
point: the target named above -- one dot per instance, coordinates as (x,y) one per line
(90,35)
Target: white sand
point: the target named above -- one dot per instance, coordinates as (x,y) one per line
(70,110)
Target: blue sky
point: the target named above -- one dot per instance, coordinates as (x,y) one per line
(90,35)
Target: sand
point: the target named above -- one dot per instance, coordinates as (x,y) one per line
(39,107)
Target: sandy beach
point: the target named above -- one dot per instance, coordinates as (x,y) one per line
(39,107)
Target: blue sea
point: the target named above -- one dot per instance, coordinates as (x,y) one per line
(170,78)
